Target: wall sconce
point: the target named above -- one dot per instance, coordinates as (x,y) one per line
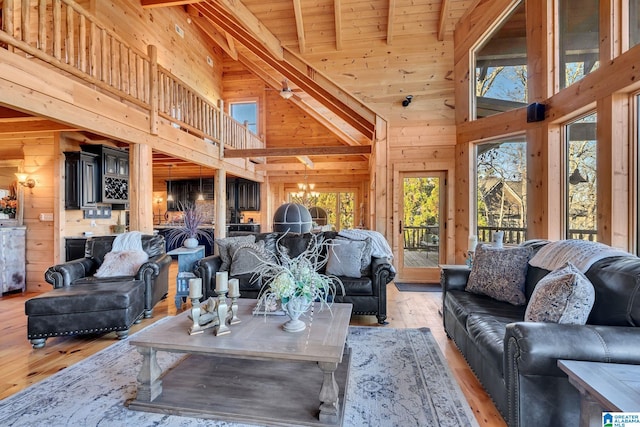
(25,181)
(407,101)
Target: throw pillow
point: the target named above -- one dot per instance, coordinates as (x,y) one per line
(248,257)
(500,273)
(365,261)
(563,296)
(345,258)
(121,263)
(225,244)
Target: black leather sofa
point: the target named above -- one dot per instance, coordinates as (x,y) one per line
(516,361)
(368,294)
(154,274)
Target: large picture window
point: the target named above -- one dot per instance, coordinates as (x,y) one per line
(501,67)
(501,189)
(581,199)
(634,22)
(579,39)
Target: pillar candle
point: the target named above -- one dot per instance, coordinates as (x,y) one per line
(195,288)
(473,242)
(222,278)
(234,288)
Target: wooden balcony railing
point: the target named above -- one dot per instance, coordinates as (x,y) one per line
(63,35)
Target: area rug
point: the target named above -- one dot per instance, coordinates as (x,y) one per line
(418,287)
(398,378)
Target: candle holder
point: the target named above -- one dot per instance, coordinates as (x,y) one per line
(233,313)
(195,316)
(221,308)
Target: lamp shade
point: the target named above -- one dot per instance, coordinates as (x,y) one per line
(318,215)
(293,218)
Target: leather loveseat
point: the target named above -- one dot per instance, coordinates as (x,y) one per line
(516,361)
(368,293)
(154,273)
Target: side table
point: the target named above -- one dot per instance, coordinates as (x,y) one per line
(186,258)
(603,387)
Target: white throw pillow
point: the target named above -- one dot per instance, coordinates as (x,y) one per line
(563,296)
(121,263)
(345,258)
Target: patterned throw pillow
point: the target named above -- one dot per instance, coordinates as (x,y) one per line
(345,258)
(247,257)
(500,273)
(225,244)
(563,296)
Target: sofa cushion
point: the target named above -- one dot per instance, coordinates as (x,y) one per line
(345,258)
(225,244)
(365,260)
(563,296)
(500,273)
(352,286)
(486,331)
(463,304)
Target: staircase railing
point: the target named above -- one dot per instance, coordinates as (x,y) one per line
(65,36)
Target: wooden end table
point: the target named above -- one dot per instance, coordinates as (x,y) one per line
(257,373)
(603,387)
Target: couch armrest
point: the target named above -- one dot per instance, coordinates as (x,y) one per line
(382,271)
(155,275)
(454,277)
(64,274)
(537,390)
(206,268)
(533,348)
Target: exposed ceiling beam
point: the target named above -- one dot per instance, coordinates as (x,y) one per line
(297,10)
(306,161)
(442,22)
(223,40)
(337,12)
(297,151)
(345,166)
(33,125)
(390,16)
(148,4)
(219,17)
(252,24)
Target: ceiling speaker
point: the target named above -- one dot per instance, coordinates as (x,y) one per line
(535,112)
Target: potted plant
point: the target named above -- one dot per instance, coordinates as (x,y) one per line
(187,234)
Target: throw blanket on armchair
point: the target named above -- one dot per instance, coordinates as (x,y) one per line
(126,256)
(379,246)
(581,253)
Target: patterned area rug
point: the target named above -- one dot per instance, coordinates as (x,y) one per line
(398,378)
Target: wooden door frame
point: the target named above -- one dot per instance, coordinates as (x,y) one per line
(446,168)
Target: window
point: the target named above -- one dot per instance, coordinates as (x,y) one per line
(579,39)
(501,189)
(246,112)
(634,22)
(501,67)
(581,200)
(338,206)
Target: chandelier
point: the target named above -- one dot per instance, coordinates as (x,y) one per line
(305,190)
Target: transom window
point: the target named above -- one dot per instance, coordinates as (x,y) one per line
(501,67)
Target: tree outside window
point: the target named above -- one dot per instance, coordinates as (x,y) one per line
(501,186)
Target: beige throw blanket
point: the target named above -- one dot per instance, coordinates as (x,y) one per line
(581,253)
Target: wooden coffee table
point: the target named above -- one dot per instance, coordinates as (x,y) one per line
(257,373)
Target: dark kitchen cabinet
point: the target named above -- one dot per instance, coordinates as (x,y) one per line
(248,195)
(186,191)
(114,173)
(82,180)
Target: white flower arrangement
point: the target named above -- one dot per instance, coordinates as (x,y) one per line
(286,278)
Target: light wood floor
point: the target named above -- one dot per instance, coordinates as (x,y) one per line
(22,366)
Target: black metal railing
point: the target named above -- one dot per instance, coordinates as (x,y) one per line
(421,237)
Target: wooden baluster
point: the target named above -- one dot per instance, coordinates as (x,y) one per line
(82,44)
(57,29)
(152,52)
(25,18)
(42,25)
(70,48)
